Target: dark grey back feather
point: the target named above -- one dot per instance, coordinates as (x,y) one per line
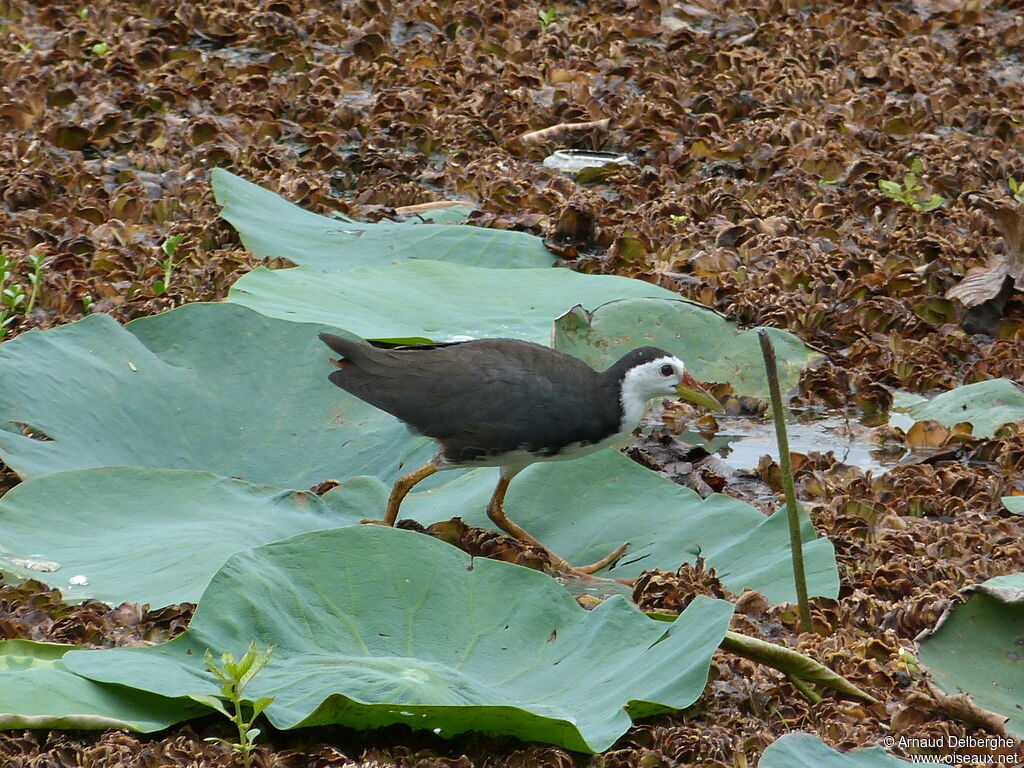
(488,396)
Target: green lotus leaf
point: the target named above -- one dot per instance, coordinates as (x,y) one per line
(987,405)
(375,626)
(712,348)
(247,397)
(157,536)
(271,226)
(37,691)
(802,750)
(976,648)
(432,300)
(212,387)
(585,508)
(1014,504)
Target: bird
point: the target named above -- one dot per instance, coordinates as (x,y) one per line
(507,403)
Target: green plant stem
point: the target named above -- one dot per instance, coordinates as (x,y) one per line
(37,277)
(243,727)
(795,665)
(796,543)
(804,688)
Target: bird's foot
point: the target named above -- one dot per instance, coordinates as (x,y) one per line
(375,522)
(587,570)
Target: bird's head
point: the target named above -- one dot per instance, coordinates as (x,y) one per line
(651,373)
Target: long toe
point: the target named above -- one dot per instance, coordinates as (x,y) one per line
(611,557)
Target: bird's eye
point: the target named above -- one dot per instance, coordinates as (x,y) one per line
(667,370)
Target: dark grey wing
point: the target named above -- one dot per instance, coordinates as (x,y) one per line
(482,397)
(539,400)
(419,385)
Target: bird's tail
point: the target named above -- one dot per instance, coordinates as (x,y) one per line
(347,347)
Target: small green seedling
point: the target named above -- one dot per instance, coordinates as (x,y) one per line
(546,19)
(35,279)
(5,270)
(86,303)
(678,220)
(234,676)
(1016,189)
(908,191)
(12,298)
(170,248)
(100,49)
(909,662)
(83,13)
(6,318)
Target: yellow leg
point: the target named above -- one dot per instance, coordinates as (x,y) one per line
(496,511)
(400,490)
(611,557)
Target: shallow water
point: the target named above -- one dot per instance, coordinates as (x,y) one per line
(742,441)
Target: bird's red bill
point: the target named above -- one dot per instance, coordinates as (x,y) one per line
(691,391)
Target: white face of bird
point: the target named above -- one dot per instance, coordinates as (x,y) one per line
(658,378)
(662,377)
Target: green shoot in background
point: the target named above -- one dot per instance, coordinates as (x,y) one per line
(234,676)
(170,248)
(907,192)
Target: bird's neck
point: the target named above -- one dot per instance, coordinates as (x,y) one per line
(632,406)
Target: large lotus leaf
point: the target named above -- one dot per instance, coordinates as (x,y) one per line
(987,405)
(452,214)
(207,386)
(976,648)
(712,348)
(376,626)
(431,300)
(583,509)
(36,691)
(271,226)
(156,536)
(802,750)
(1014,504)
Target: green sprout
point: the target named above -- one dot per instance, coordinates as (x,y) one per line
(546,19)
(11,298)
(86,303)
(25,47)
(35,279)
(8,302)
(234,676)
(909,662)
(100,49)
(1017,189)
(82,13)
(170,248)
(5,270)
(907,192)
(678,220)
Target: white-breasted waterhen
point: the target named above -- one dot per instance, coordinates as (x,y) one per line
(508,403)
